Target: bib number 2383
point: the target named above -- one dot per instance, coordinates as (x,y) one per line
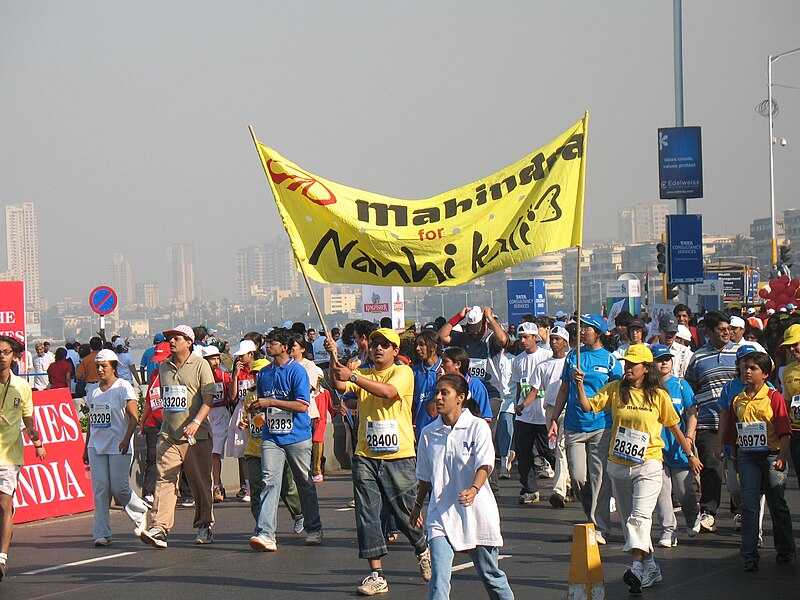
(176,398)
(279,421)
(383,436)
(631,445)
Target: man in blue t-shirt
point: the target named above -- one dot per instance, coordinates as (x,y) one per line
(283,395)
(588,435)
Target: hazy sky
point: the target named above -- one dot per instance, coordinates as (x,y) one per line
(126,122)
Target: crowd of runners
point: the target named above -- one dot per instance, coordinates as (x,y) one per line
(631,417)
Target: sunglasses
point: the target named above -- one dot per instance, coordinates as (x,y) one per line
(385,344)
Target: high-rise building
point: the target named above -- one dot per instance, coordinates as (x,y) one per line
(147,294)
(22,248)
(122,279)
(642,223)
(182,273)
(260,268)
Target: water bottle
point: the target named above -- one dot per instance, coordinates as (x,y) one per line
(551,441)
(191,440)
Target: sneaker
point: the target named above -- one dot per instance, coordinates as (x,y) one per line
(314,538)
(651,576)
(218,495)
(529,498)
(557,500)
(155,536)
(669,539)
(737,522)
(139,524)
(633,578)
(351,504)
(3,570)
(784,557)
(298,525)
(148,500)
(760,541)
(612,505)
(243,491)
(424,561)
(694,529)
(372,585)
(708,522)
(261,543)
(187,502)
(599,538)
(503,473)
(103,541)
(750,566)
(246,498)
(318,478)
(512,456)
(204,536)
(545,474)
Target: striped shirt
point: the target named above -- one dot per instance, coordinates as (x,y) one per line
(708,372)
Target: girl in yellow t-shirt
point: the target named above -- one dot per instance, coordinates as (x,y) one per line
(640,407)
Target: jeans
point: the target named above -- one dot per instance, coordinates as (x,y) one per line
(587,454)
(636,491)
(756,475)
(794,451)
(391,482)
(678,482)
(561,476)
(711,475)
(273,458)
(483,557)
(529,438)
(288,489)
(505,433)
(110,480)
(150,470)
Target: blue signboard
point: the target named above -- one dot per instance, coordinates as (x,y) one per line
(684,248)
(525,296)
(680,162)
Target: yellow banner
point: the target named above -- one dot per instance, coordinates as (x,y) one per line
(345,235)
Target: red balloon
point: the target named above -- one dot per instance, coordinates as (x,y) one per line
(769,304)
(794,284)
(777,289)
(773,281)
(784,278)
(763,293)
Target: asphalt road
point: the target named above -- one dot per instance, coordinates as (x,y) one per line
(57,559)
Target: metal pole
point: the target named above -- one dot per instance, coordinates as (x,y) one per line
(677,34)
(773,234)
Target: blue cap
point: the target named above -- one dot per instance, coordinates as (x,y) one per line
(158,338)
(660,350)
(596,321)
(745,350)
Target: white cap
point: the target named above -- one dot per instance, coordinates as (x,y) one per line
(751,311)
(737,322)
(560,314)
(183,330)
(684,333)
(528,328)
(245,346)
(561,332)
(107,355)
(209,351)
(119,342)
(287,324)
(770,311)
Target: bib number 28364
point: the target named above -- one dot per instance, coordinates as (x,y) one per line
(631,445)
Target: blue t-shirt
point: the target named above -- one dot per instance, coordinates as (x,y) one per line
(424,391)
(287,382)
(600,367)
(682,400)
(479,393)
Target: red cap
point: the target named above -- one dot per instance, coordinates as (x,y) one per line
(162,352)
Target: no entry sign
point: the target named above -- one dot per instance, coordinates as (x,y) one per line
(103,300)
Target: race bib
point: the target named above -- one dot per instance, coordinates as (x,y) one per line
(176,398)
(477,367)
(219,396)
(631,445)
(245,385)
(155,398)
(752,437)
(794,409)
(100,415)
(257,425)
(383,436)
(279,421)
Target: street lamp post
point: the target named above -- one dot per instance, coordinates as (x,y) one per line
(772,59)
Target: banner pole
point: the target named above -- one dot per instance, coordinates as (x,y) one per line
(296,258)
(578,310)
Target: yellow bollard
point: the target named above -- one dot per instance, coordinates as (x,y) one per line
(585,571)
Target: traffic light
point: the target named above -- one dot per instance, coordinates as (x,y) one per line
(786,255)
(672,291)
(661,256)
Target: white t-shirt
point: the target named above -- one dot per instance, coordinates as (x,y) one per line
(449,457)
(521,373)
(313,379)
(320,354)
(681,355)
(124,366)
(107,417)
(547,379)
(40,364)
(509,395)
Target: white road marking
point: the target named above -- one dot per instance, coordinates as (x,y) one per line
(78,563)
(343,509)
(469,564)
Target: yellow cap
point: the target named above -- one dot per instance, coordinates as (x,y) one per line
(792,335)
(638,353)
(389,334)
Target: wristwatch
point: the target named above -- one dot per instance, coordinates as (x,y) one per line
(352,378)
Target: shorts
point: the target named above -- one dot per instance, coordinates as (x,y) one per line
(218,418)
(8,479)
(237,438)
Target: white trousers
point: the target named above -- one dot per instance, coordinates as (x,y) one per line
(636,491)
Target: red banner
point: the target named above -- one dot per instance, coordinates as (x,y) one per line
(12,312)
(57,485)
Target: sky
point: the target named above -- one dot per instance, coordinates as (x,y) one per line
(126,122)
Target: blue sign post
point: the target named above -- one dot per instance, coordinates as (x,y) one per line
(526,296)
(684,249)
(680,162)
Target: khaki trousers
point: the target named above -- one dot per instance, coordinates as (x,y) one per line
(196,461)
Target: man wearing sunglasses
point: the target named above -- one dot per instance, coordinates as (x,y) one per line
(384,465)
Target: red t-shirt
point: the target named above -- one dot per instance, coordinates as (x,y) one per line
(154,400)
(246,383)
(222,379)
(57,372)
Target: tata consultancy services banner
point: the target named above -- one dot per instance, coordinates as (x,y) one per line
(55,486)
(345,235)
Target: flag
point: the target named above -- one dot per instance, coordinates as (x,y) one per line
(345,235)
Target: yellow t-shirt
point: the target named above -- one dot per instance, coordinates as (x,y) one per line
(16,402)
(791,391)
(393,437)
(636,416)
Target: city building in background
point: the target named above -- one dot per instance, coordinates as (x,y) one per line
(122,279)
(147,295)
(643,222)
(264,268)
(22,251)
(182,273)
